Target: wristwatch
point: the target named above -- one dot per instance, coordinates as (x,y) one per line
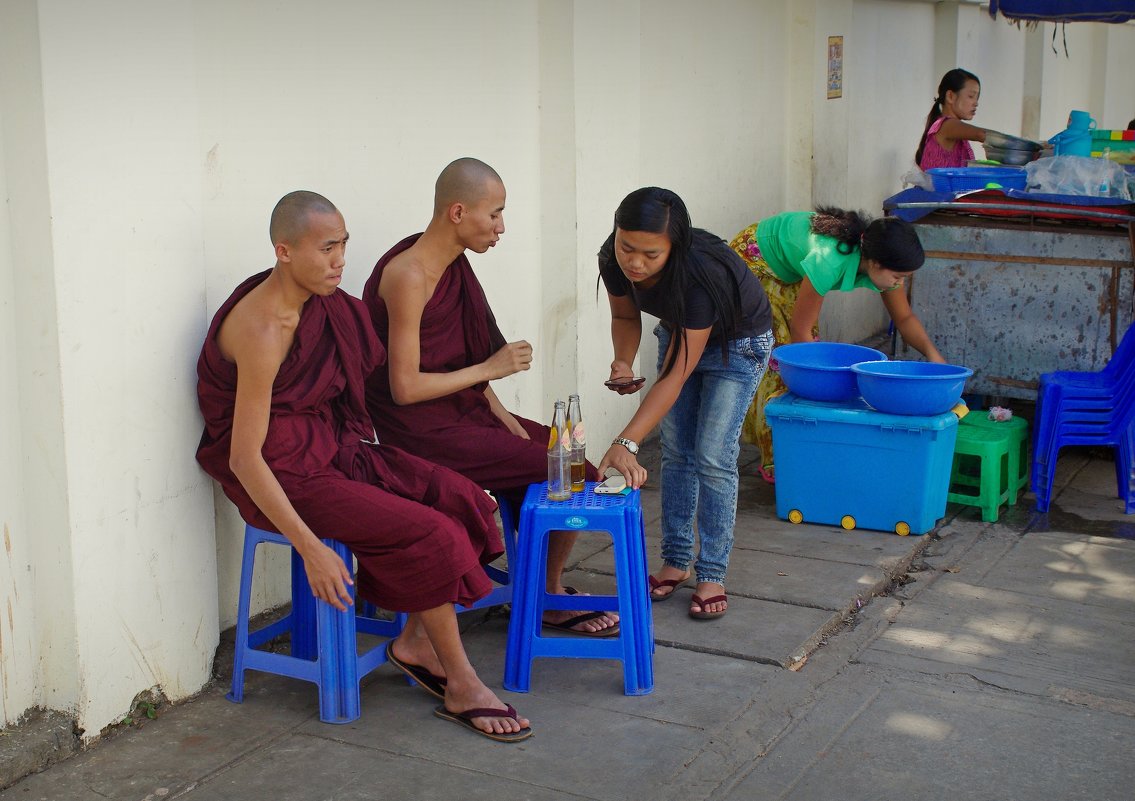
(629,444)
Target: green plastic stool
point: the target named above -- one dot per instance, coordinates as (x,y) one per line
(980,475)
(1018,430)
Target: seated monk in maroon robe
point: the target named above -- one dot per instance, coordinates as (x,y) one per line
(433,397)
(287,435)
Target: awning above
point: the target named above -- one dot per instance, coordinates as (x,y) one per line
(1064,10)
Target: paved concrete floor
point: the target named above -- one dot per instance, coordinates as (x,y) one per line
(980,661)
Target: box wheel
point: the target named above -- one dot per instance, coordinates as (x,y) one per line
(902,529)
(848,522)
(794,516)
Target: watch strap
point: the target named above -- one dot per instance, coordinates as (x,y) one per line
(629,444)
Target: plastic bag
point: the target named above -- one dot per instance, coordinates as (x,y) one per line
(916,177)
(1077,175)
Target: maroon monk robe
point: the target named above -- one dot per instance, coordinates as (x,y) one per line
(420,532)
(458,430)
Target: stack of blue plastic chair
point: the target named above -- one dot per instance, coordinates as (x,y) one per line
(1088,408)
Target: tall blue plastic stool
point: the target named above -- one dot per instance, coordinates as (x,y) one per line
(621,517)
(501,594)
(323,650)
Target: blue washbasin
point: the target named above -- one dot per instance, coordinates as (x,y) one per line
(822,370)
(918,388)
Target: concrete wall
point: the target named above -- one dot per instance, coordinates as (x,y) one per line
(143,145)
(18,646)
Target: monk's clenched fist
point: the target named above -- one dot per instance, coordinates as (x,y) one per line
(512,358)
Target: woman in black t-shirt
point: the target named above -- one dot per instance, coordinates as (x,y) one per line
(714,340)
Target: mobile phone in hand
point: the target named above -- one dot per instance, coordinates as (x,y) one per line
(621,383)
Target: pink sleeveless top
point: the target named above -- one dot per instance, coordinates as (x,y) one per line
(933,155)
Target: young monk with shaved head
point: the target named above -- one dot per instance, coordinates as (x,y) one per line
(433,397)
(287,435)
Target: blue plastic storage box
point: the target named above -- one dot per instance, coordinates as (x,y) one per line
(845,464)
(969,179)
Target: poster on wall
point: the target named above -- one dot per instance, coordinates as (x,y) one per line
(835,66)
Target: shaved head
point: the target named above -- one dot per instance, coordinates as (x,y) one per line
(290,217)
(465,180)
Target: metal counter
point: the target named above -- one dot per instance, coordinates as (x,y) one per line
(1014,300)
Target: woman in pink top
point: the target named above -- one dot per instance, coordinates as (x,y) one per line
(946,138)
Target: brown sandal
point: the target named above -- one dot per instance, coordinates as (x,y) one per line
(677,584)
(703,603)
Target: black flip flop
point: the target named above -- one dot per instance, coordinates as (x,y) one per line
(566,625)
(434,685)
(466,719)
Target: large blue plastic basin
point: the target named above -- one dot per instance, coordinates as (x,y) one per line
(920,388)
(822,370)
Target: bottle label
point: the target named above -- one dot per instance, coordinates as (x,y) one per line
(552,438)
(578,437)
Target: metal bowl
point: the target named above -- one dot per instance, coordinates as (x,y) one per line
(1004,141)
(1013,158)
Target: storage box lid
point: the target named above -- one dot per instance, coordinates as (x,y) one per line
(855,412)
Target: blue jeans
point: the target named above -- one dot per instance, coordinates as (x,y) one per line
(700,444)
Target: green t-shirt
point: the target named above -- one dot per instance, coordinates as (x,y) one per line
(792,252)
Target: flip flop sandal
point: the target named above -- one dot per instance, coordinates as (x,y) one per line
(677,584)
(567,626)
(765,471)
(466,719)
(703,603)
(434,685)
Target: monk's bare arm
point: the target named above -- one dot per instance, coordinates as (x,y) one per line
(405,292)
(257,346)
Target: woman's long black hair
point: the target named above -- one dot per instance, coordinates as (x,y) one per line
(953,81)
(694,253)
(888,240)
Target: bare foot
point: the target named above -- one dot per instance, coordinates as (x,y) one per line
(463,696)
(418,651)
(665,575)
(601,622)
(706,590)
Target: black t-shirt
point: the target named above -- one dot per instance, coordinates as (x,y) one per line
(721,266)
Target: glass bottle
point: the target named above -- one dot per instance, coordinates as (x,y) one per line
(578,444)
(559,456)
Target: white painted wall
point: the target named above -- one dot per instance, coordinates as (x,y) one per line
(124,179)
(40,650)
(143,146)
(18,647)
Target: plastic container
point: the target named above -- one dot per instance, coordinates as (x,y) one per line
(915,388)
(847,465)
(1115,141)
(968,179)
(822,370)
(1073,142)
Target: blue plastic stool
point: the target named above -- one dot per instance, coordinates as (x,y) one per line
(501,594)
(324,649)
(621,517)
(323,638)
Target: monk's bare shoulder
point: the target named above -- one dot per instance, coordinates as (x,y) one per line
(257,330)
(405,280)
